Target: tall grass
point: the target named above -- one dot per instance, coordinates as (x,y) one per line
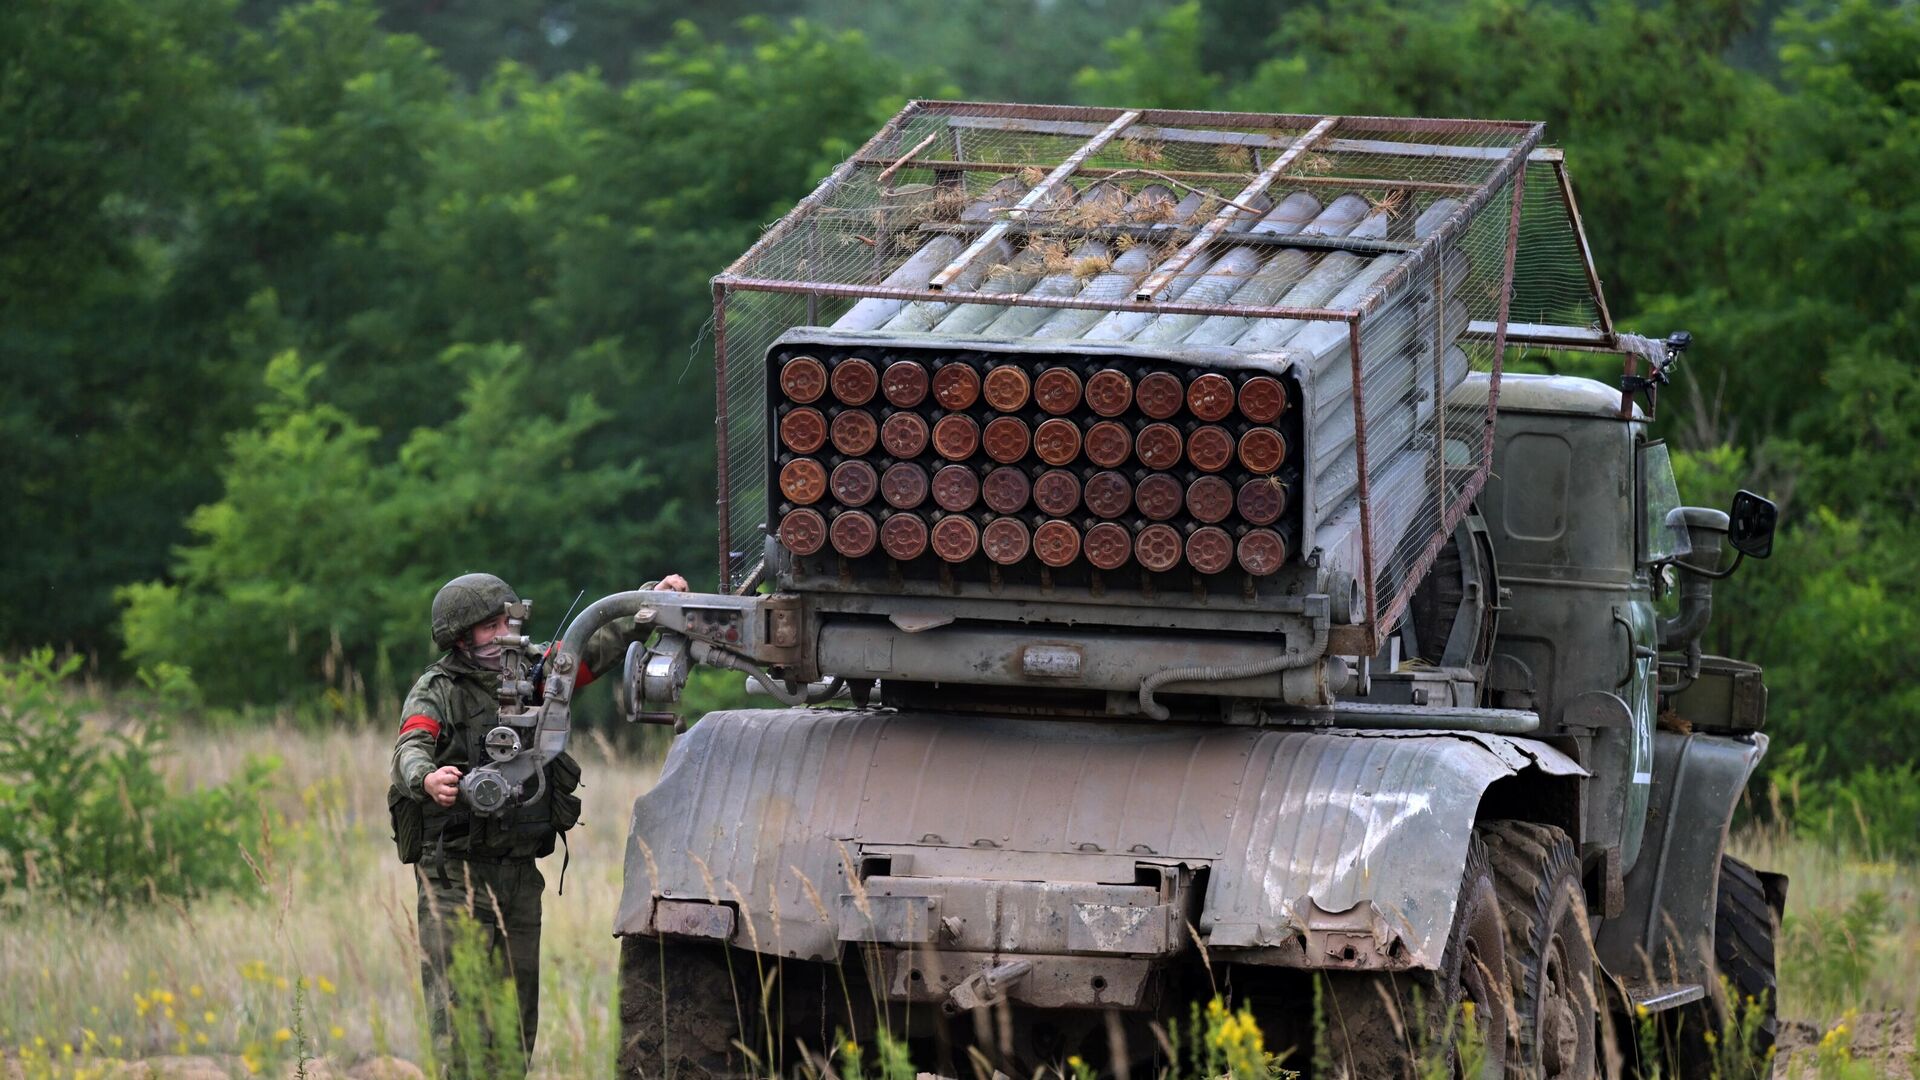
(317,959)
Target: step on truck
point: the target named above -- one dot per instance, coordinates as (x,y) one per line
(1161,591)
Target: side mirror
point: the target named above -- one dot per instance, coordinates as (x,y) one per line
(1751,523)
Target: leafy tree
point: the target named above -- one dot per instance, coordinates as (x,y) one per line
(105,109)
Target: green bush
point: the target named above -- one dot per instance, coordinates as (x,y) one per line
(86,816)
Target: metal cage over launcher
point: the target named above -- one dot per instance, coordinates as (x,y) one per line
(1167,312)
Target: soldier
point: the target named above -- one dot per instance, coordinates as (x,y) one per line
(476,875)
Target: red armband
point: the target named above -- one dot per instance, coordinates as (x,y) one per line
(421,722)
(586,676)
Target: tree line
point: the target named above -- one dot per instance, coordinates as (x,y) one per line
(308,306)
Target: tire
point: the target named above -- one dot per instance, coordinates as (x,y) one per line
(1367,1033)
(679,1014)
(1550,963)
(1745,925)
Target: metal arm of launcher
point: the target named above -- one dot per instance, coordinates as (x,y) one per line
(751,634)
(530,735)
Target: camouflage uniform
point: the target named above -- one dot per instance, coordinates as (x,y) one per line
(477,874)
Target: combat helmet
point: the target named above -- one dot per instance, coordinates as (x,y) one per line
(464,601)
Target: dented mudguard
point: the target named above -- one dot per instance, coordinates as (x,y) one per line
(1320,848)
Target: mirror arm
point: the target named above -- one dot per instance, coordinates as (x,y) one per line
(1716,575)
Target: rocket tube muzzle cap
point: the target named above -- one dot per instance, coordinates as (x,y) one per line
(1056,492)
(1158,496)
(1210,448)
(1159,395)
(854,381)
(853,432)
(1210,396)
(1157,547)
(853,483)
(1057,390)
(1006,490)
(803,430)
(955,488)
(1262,450)
(1108,546)
(955,539)
(956,386)
(1108,444)
(904,485)
(903,537)
(803,379)
(956,436)
(1262,399)
(1209,549)
(904,383)
(1056,543)
(803,531)
(1109,392)
(1005,541)
(1210,499)
(1006,439)
(1158,446)
(1056,441)
(1261,500)
(853,533)
(904,435)
(1261,552)
(803,481)
(1007,388)
(1108,494)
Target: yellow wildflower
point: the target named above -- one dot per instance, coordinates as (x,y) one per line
(195,991)
(282,1035)
(326,985)
(337,1031)
(208,1016)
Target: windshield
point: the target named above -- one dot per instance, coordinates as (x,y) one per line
(1660,540)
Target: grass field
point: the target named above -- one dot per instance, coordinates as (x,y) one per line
(321,961)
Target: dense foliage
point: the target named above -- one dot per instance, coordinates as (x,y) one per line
(86,815)
(308,313)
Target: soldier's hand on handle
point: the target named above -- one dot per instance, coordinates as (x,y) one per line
(673,583)
(443,784)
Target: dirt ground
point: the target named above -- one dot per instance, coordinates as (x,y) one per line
(1885,1039)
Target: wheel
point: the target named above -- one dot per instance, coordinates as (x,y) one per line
(1550,967)
(1368,1036)
(679,1012)
(1742,1016)
(1744,927)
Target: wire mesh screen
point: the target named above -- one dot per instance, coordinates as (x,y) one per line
(1294,238)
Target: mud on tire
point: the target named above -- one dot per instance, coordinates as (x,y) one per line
(1387,1026)
(1550,962)
(678,1012)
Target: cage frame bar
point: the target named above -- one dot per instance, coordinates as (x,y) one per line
(1033,198)
(1170,267)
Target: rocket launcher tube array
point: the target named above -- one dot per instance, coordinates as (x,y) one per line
(1398,368)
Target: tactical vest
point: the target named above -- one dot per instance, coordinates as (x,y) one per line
(526,830)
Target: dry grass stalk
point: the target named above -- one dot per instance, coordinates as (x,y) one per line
(1144,151)
(1032,175)
(1391,201)
(1091,266)
(1054,255)
(1312,164)
(1234,158)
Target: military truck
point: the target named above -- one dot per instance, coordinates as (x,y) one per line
(1163,591)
